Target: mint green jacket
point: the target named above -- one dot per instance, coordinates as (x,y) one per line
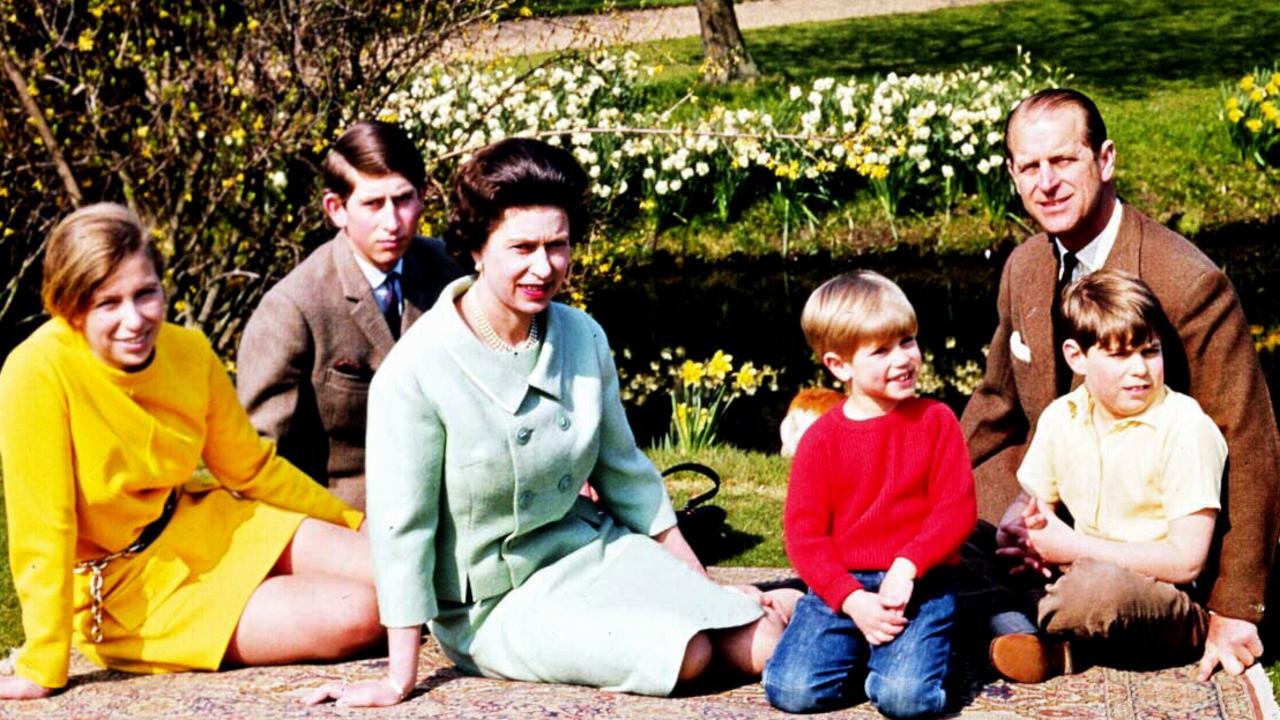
(473,467)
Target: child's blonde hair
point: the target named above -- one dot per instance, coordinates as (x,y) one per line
(1111,309)
(855,309)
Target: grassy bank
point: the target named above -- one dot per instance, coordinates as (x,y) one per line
(1154,67)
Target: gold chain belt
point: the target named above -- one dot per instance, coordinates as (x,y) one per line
(95,568)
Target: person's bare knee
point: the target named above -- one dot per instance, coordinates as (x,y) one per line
(357,629)
(697,656)
(321,547)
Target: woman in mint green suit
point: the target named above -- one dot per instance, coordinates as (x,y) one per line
(485,422)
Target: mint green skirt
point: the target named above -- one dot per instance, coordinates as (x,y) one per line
(615,614)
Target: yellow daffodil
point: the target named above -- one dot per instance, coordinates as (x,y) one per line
(1233,102)
(1253,124)
(1235,115)
(1247,83)
(719,365)
(1257,95)
(747,379)
(691,372)
(1269,110)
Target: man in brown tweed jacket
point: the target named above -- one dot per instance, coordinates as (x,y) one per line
(1062,165)
(314,342)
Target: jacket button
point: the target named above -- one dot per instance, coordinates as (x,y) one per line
(566,482)
(564,421)
(526,499)
(523,435)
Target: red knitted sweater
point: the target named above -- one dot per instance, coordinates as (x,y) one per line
(863,492)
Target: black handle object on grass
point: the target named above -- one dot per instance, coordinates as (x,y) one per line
(703,470)
(701,524)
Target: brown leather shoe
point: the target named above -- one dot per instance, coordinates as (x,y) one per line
(1028,658)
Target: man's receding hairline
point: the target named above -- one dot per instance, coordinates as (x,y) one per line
(1023,115)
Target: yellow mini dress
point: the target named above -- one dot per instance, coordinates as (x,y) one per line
(90,455)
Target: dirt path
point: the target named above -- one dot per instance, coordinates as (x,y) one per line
(544,35)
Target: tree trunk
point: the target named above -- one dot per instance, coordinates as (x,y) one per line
(725,52)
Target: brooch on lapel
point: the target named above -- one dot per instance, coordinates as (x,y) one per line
(354,368)
(1018,348)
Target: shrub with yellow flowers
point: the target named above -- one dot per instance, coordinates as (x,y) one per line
(1265,340)
(1251,112)
(700,391)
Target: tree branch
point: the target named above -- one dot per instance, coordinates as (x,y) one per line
(37,119)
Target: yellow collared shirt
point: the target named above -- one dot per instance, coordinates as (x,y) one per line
(1128,480)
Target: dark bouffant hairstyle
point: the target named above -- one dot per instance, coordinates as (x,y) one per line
(1095,131)
(375,149)
(516,172)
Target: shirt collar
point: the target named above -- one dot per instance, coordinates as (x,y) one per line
(1080,406)
(1094,255)
(375,276)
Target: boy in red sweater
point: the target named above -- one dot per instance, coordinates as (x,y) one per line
(879,502)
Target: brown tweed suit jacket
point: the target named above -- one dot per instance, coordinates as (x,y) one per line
(1209,355)
(311,347)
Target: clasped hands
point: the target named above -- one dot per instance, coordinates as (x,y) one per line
(1034,535)
(881,616)
(1040,540)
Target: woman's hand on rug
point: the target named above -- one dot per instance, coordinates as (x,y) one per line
(14,687)
(367,693)
(1233,644)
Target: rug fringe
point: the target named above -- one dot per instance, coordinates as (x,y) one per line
(1263,692)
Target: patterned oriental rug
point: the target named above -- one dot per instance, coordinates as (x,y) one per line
(445,693)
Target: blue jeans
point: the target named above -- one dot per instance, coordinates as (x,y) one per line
(822,656)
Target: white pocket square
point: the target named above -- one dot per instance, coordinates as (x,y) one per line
(1018,348)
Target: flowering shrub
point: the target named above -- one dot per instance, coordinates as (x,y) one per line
(700,391)
(948,371)
(1251,112)
(208,119)
(1265,340)
(919,139)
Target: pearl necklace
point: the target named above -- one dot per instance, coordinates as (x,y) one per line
(490,337)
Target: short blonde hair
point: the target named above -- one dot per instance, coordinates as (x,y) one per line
(854,309)
(1111,309)
(82,252)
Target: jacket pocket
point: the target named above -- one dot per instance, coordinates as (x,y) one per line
(343,401)
(348,382)
(140,594)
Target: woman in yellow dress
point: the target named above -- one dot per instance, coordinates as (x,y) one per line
(107,413)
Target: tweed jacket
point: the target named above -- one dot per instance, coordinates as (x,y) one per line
(311,347)
(475,467)
(1208,354)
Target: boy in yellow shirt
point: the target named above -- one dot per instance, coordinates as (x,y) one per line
(1139,468)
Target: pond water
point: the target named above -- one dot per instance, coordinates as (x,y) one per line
(750,308)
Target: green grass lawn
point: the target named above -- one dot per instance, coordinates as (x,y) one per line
(1154,66)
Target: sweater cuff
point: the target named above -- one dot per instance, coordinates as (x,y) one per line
(838,591)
